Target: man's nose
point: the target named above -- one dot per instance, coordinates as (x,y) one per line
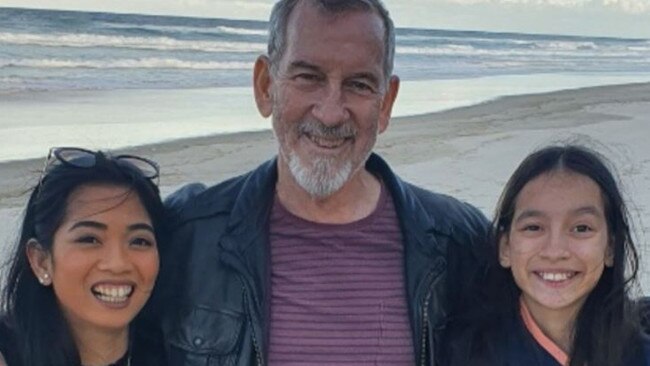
(331,108)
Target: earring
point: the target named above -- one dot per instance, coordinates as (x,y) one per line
(45,279)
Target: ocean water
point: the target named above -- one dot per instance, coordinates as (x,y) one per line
(60,50)
(103,80)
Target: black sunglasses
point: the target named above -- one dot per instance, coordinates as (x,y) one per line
(81,158)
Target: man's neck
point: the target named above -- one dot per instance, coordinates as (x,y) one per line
(356,200)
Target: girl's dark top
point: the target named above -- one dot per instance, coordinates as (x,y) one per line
(513,345)
(144,350)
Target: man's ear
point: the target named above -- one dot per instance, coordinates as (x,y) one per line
(40,261)
(262,80)
(504,251)
(387,103)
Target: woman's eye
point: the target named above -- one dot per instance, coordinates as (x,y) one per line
(142,242)
(87,239)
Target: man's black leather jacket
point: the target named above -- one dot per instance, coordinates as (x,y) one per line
(213,293)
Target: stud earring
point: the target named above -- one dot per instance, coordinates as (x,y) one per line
(45,279)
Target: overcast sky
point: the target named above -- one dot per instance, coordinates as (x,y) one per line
(617,18)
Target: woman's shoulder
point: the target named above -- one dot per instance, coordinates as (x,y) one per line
(8,347)
(7,334)
(147,349)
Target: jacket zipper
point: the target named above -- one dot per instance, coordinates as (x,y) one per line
(258,352)
(425,332)
(242,279)
(425,316)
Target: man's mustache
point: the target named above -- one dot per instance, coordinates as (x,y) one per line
(314,127)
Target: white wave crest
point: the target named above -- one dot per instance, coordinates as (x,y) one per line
(570,46)
(153,43)
(243,31)
(415,37)
(188,29)
(640,48)
(145,63)
(156,28)
(582,49)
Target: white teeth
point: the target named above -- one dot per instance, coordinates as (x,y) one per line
(111,299)
(112,293)
(327,143)
(556,276)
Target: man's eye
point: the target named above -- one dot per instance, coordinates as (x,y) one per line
(307,77)
(361,87)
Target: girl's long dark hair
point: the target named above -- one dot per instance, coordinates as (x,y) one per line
(32,316)
(606,331)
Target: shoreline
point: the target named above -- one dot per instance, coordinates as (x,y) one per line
(463,111)
(466,152)
(118,119)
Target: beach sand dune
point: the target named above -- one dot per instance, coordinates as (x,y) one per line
(468,152)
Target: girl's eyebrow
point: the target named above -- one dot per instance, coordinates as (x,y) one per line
(529,213)
(584,210)
(588,210)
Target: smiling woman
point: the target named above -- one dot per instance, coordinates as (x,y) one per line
(85,264)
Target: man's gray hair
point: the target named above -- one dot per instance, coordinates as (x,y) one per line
(283,8)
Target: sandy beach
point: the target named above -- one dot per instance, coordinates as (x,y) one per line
(467,152)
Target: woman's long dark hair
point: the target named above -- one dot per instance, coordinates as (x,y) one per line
(606,330)
(40,333)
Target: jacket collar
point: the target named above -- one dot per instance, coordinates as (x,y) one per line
(252,207)
(415,220)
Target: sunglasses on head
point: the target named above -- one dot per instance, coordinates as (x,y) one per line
(81,158)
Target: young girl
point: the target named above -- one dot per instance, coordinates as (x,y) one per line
(563,260)
(85,264)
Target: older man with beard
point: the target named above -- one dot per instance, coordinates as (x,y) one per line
(322,255)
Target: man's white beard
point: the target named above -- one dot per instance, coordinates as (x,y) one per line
(320,177)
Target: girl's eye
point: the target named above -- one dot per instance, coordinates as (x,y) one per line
(582,229)
(532,227)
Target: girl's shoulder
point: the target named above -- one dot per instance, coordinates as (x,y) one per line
(645,343)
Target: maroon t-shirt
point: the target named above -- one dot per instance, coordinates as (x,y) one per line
(337,291)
